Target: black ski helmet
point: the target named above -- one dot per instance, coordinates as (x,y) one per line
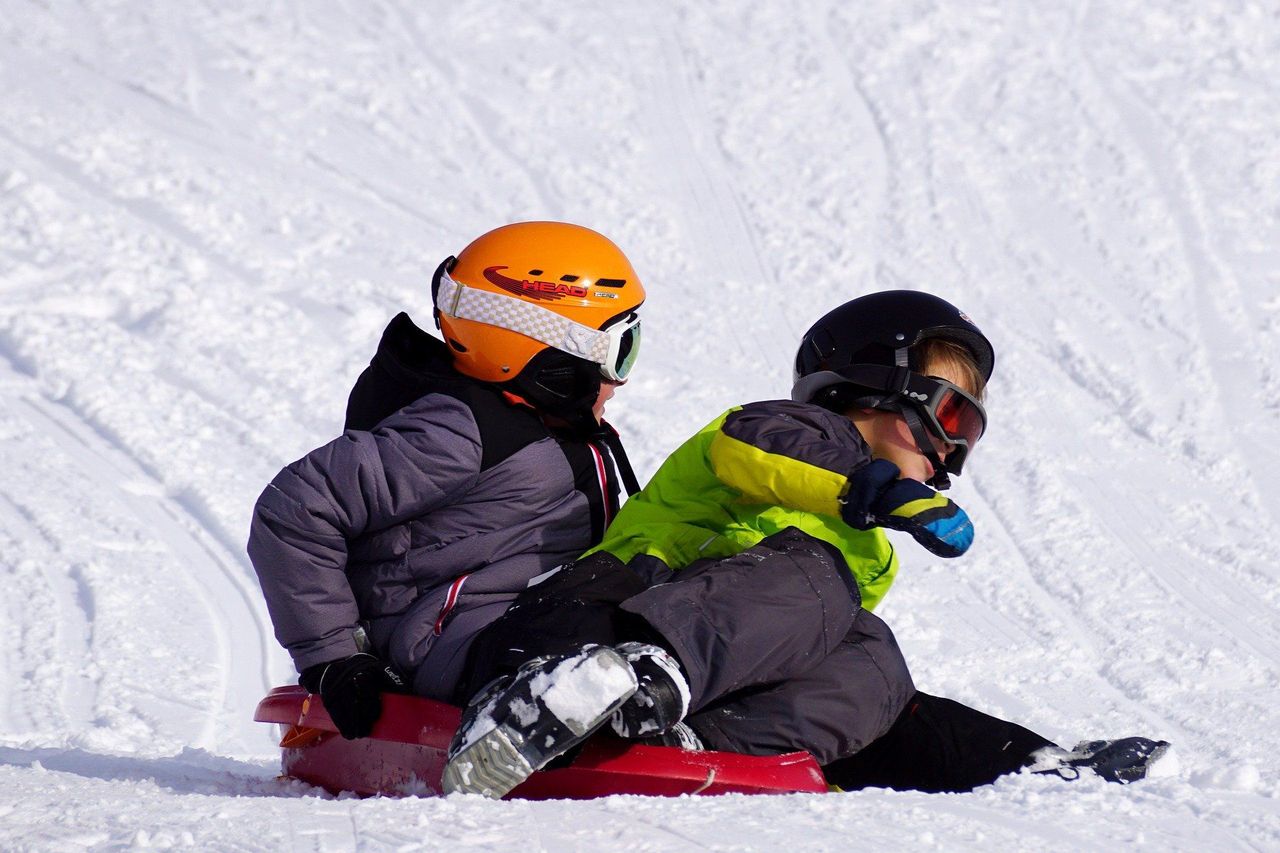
(872,329)
(882,329)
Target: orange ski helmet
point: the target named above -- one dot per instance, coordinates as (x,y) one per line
(547,309)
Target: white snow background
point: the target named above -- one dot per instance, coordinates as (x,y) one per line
(209,210)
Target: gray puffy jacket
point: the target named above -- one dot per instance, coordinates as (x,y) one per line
(426,526)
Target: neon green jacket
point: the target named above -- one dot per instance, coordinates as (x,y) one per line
(752,472)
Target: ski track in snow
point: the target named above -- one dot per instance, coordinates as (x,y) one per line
(236,617)
(209,211)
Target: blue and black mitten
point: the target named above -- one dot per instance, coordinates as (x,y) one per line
(877,498)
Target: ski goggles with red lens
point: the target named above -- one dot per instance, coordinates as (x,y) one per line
(950,413)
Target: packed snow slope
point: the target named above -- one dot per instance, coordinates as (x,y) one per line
(209,210)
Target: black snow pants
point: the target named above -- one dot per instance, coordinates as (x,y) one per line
(938,745)
(779,653)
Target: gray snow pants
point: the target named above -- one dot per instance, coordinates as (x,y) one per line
(779,653)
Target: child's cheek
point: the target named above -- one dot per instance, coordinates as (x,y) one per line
(902,436)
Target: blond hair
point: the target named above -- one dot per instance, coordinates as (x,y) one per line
(940,353)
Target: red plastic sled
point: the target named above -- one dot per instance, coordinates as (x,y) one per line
(406,754)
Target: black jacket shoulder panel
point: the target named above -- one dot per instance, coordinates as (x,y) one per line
(504,428)
(409,364)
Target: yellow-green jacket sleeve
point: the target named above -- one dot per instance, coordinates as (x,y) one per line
(789,455)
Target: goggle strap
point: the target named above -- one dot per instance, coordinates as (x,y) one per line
(442,270)
(516,315)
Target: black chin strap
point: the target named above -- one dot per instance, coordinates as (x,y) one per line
(939,480)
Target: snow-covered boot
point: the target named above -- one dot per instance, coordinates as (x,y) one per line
(662,698)
(519,723)
(1125,760)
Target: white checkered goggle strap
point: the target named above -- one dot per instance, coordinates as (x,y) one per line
(516,315)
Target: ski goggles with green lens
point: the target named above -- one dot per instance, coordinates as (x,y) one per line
(614,348)
(624,347)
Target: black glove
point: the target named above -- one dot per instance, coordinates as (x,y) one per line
(352,689)
(877,498)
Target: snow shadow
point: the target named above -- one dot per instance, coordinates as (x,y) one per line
(192,771)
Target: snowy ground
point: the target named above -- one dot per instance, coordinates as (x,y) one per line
(208,210)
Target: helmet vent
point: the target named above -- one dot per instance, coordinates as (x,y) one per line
(611,282)
(569,277)
(535,272)
(459,347)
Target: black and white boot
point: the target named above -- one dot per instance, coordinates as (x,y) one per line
(1124,760)
(521,722)
(661,699)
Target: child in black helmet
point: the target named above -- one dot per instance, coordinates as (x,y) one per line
(708,564)
(910,370)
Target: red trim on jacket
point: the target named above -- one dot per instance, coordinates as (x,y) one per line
(602,472)
(450,600)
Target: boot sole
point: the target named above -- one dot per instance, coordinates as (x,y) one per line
(497,762)
(491,767)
